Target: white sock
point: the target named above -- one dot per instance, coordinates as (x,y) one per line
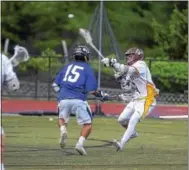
(81,140)
(130,129)
(2,166)
(63,129)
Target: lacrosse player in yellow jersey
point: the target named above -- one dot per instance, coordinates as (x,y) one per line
(10,80)
(139,92)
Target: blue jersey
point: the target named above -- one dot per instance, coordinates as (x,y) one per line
(75,81)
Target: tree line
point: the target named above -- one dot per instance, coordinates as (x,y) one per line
(160,28)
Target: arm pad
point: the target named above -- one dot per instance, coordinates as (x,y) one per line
(120,67)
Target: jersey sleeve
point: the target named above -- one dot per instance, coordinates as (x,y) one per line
(8,69)
(91,83)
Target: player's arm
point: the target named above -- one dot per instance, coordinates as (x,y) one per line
(100,94)
(11,80)
(56,83)
(91,86)
(121,68)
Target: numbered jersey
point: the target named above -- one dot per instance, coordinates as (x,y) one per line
(75,81)
(143,81)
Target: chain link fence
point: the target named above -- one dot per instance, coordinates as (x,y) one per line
(36,84)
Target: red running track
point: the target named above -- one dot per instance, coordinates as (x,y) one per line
(16,106)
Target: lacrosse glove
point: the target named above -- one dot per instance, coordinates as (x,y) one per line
(102,95)
(109,62)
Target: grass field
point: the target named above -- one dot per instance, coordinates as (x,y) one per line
(32,143)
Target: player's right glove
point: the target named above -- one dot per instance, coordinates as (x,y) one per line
(109,62)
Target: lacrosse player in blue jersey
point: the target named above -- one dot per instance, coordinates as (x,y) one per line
(73,83)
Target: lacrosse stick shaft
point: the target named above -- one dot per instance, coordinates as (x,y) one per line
(110,98)
(6,46)
(88,38)
(99,53)
(64,46)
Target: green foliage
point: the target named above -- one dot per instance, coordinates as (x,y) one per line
(170,69)
(170,76)
(47,60)
(44,25)
(105,70)
(173,36)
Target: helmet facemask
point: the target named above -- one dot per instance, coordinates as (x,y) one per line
(133,55)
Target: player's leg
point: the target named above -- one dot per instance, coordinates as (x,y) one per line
(84,118)
(141,110)
(64,114)
(130,129)
(2,148)
(124,117)
(129,132)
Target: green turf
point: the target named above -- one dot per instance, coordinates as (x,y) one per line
(32,143)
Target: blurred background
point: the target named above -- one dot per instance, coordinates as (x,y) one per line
(160,28)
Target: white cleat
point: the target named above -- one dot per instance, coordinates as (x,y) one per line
(63,138)
(80,149)
(117,145)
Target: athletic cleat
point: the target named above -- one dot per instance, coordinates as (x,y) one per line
(117,145)
(80,149)
(63,138)
(134,135)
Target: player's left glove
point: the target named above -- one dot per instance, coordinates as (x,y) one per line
(109,62)
(102,95)
(105,97)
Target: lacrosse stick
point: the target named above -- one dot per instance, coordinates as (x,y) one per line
(20,55)
(88,38)
(110,98)
(65,49)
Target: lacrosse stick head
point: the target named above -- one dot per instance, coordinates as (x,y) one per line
(20,55)
(86,35)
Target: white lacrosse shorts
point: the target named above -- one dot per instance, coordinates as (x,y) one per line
(136,107)
(77,107)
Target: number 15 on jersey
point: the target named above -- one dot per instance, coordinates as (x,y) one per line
(72,73)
